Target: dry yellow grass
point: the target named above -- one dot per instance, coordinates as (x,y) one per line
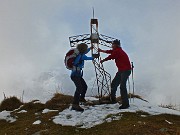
(106,99)
(11,103)
(59,101)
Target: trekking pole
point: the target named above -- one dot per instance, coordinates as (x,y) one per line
(133,78)
(129,89)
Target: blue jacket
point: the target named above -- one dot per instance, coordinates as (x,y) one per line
(79,64)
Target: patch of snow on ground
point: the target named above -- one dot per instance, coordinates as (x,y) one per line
(168,122)
(19,108)
(22,111)
(95,115)
(37,102)
(37,122)
(139,105)
(90,117)
(47,110)
(6,115)
(91,98)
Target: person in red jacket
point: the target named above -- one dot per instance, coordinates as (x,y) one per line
(124,70)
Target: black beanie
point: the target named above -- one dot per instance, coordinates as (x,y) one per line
(117,42)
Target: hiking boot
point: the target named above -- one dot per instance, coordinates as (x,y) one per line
(124,107)
(82,100)
(113,100)
(77,108)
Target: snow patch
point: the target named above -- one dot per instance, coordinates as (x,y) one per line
(18,108)
(47,110)
(22,111)
(140,105)
(144,116)
(168,122)
(98,114)
(6,115)
(36,102)
(91,98)
(90,117)
(37,122)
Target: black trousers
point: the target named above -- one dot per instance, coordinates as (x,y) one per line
(81,88)
(120,79)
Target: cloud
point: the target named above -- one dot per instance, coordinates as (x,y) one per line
(34,38)
(31,42)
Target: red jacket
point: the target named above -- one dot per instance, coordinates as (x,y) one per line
(121,59)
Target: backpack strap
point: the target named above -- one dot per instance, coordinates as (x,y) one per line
(76,68)
(80,60)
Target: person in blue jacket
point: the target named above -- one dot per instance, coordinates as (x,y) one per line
(77,76)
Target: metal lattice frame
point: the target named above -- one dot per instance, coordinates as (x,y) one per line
(106,40)
(103,77)
(75,40)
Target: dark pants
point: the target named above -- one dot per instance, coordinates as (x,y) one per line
(120,79)
(81,88)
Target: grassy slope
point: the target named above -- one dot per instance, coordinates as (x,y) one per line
(130,124)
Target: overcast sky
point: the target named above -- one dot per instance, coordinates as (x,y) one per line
(34,39)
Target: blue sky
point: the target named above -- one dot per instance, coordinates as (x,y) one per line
(34,39)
